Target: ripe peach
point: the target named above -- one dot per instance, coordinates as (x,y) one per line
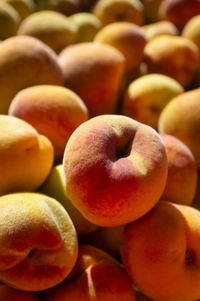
(53,111)
(182,172)
(52,28)
(159,28)
(96,276)
(174,56)
(181,118)
(160,252)
(179,11)
(109,11)
(146,97)
(9,20)
(26,157)
(191,30)
(23,7)
(9,294)
(128,38)
(25,62)
(151,10)
(38,242)
(115,169)
(54,187)
(94,72)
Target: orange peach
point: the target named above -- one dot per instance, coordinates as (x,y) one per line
(182,172)
(109,11)
(115,169)
(191,30)
(54,187)
(181,118)
(52,28)
(174,56)
(26,157)
(159,28)
(145,97)
(93,71)
(160,252)
(23,7)
(53,111)
(38,242)
(9,20)
(96,276)
(9,294)
(25,62)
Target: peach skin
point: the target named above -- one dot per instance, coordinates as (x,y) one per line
(182,172)
(9,20)
(115,169)
(96,276)
(159,28)
(23,7)
(161,254)
(9,294)
(54,111)
(38,242)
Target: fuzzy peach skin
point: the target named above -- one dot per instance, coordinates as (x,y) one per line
(54,187)
(179,11)
(25,62)
(181,118)
(182,172)
(93,71)
(10,294)
(26,157)
(160,252)
(52,28)
(23,7)
(145,97)
(174,56)
(109,11)
(128,38)
(96,276)
(38,241)
(191,30)
(54,111)
(159,28)
(115,169)
(9,21)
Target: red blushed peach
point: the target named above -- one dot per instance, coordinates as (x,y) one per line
(182,172)
(53,111)
(93,71)
(161,254)
(96,276)
(10,294)
(115,169)
(174,56)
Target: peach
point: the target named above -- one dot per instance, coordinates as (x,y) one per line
(180,118)
(160,252)
(145,97)
(87,26)
(179,11)
(191,30)
(38,242)
(128,38)
(54,187)
(9,294)
(151,10)
(174,56)
(109,11)
(25,62)
(115,169)
(96,276)
(182,172)
(9,20)
(52,28)
(23,7)
(54,111)
(26,157)
(66,7)
(141,297)
(93,71)
(159,28)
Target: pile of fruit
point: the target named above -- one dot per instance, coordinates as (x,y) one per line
(99,150)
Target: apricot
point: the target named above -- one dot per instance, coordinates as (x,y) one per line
(66,7)
(160,252)
(52,28)
(180,118)
(9,294)
(96,276)
(54,111)
(93,71)
(38,242)
(26,157)
(23,7)
(9,20)
(115,169)
(151,10)
(191,30)
(54,187)
(145,97)
(182,172)
(25,62)
(174,56)
(159,28)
